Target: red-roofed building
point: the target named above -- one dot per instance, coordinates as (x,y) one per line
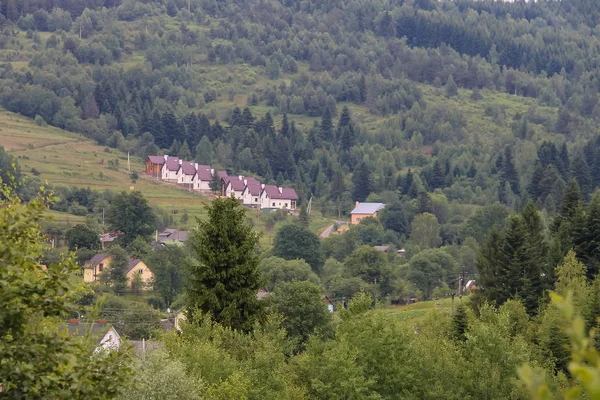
(154,165)
(170,168)
(273,197)
(203,177)
(235,187)
(251,194)
(186,172)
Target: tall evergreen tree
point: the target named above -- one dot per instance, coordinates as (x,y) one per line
(326,128)
(590,248)
(510,173)
(581,172)
(363,182)
(225,279)
(437,176)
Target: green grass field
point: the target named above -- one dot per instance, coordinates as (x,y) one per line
(416,311)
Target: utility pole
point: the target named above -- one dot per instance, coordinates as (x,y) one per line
(460,284)
(452,294)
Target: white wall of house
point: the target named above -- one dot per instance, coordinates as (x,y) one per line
(236,193)
(201,185)
(249,200)
(168,175)
(184,179)
(267,202)
(110,341)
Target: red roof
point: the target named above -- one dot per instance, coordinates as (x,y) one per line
(237,184)
(222,174)
(160,160)
(285,194)
(188,167)
(204,173)
(173,163)
(254,188)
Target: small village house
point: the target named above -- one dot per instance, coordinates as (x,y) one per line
(235,187)
(186,172)
(154,165)
(139,267)
(104,335)
(273,197)
(170,168)
(203,178)
(365,210)
(328,303)
(251,194)
(172,236)
(100,262)
(93,268)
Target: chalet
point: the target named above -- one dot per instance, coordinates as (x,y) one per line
(328,303)
(94,267)
(186,172)
(139,267)
(365,210)
(235,187)
(104,336)
(251,194)
(203,178)
(273,197)
(170,168)
(154,165)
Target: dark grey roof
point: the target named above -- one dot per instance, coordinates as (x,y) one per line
(367,208)
(96,260)
(132,264)
(95,330)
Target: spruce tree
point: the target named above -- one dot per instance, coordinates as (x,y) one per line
(437,176)
(510,173)
(581,172)
(451,88)
(224,281)
(460,323)
(590,248)
(363,182)
(326,131)
(493,272)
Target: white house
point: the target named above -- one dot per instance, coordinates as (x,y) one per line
(202,179)
(101,333)
(251,194)
(170,168)
(273,197)
(235,186)
(186,172)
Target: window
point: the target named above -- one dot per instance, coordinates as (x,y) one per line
(100,267)
(273,204)
(140,271)
(357,219)
(255,200)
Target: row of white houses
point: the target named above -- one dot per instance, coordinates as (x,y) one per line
(250,191)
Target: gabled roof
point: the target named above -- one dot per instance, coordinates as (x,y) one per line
(204,173)
(160,160)
(273,192)
(188,167)
(173,234)
(253,188)
(172,163)
(367,208)
(222,174)
(97,259)
(382,248)
(132,264)
(250,180)
(96,330)
(237,185)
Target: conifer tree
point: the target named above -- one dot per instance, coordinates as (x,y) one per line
(326,129)
(581,172)
(437,176)
(184,151)
(225,279)
(509,172)
(590,248)
(460,323)
(451,88)
(363,182)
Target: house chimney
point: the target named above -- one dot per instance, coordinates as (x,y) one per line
(240,177)
(180,161)
(73,321)
(245,182)
(196,166)
(280,190)
(212,171)
(356,204)
(262,185)
(166,156)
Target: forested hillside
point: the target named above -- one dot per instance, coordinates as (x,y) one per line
(475,122)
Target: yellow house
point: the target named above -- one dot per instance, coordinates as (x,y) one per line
(139,267)
(365,210)
(100,262)
(94,267)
